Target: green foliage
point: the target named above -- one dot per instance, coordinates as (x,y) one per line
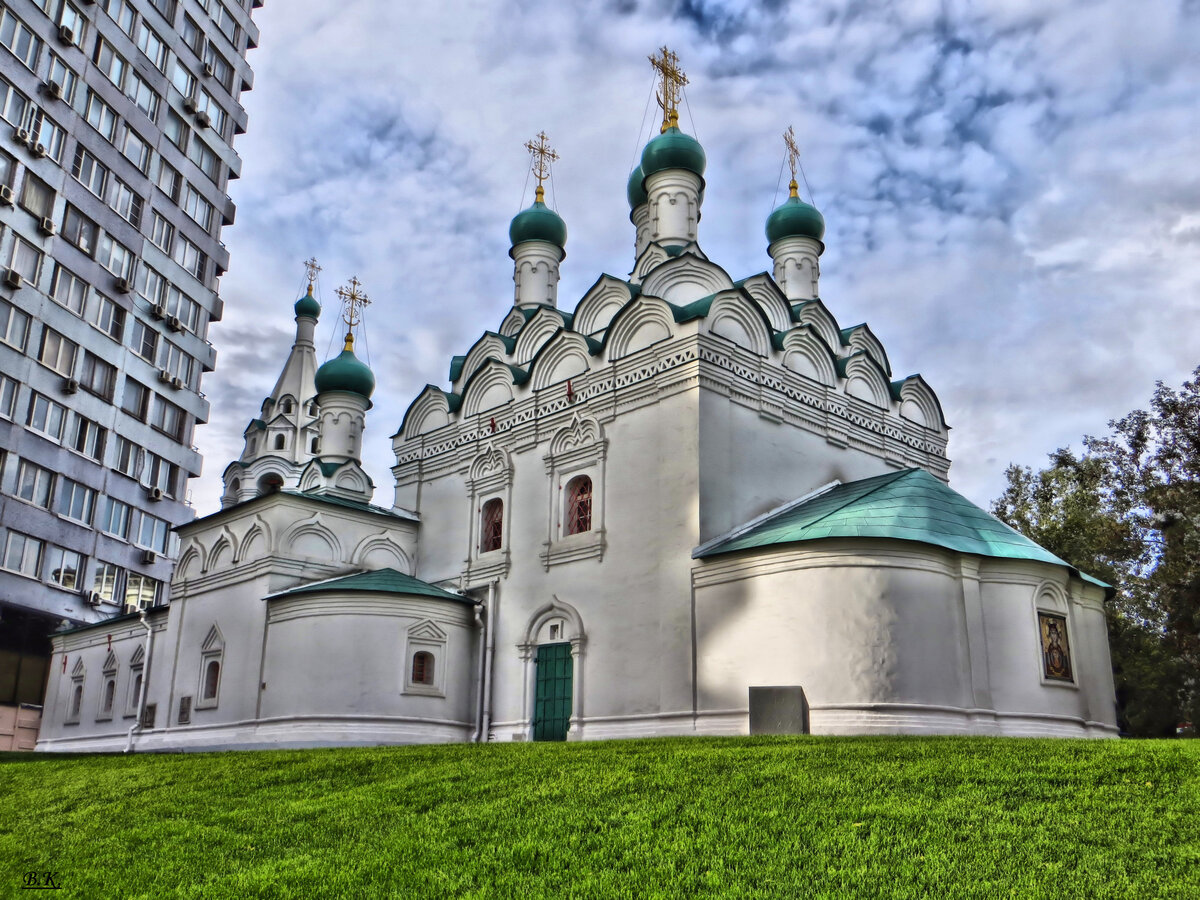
(686,817)
(1128,512)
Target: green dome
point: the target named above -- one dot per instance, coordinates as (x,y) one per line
(538,223)
(308,305)
(795,219)
(673,150)
(635,190)
(346,372)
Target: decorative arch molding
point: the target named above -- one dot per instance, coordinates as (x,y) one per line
(540,328)
(512,323)
(110,663)
(652,257)
(565,355)
(602,301)
(191,563)
(806,353)
(865,380)
(491,462)
(353,479)
(490,386)
(310,537)
(257,540)
(734,316)
(490,346)
(78,670)
(431,410)
(814,313)
(583,431)
(379,551)
(645,321)
(139,656)
(770,299)
(428,630)
(489,477)
(223,551)
(578,449)
(685,278)
(918,403)
(264,466)
(860,337)
(527,648)
(214,640)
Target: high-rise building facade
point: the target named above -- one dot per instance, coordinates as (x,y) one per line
(116,149)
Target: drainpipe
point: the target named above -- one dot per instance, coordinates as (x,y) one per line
(493,602)
(141,705)
(482,624)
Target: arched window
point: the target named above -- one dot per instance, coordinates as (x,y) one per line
(212,677)
(280,440)
(137,690)
(491,525)
(286,407)
(270,483)
(76,701)
(314,445)
(579,505)
(422,668)
(110,693)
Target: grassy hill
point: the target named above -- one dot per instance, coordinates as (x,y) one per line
(745,817)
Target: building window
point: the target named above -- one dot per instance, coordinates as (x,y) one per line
(97,376)
(115,520)
(22,554)
(161,233)
(107,581)
(152,46)
(87,438)
(65,568)
(8,397)
(422,668)
(111,63)
(115,256)
(79,230)
(34,484)
(26,259)
(491,526)
(128,457)
(101,116)
(144,341)
(107,698)
(579,505)
(140,590)
(212,679)
(65,77)
(280,440)
(46,416)
(16,36)
(12,105)
(75,501)
(126,203)
(136,400)
(69,290)
(212,653)
(76,700)
(167,418)
(37,197)
(150,533)
(14,326)
(58,353)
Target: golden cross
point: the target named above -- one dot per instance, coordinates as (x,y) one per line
(310,266)
(671,82)
(355,301)
(543,156)
(793,152)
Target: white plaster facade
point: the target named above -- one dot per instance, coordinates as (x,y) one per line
(690,405)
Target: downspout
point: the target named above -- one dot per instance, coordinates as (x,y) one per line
(492,602)
(482,624)
(141,705)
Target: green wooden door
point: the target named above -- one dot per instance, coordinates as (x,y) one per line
(552,701)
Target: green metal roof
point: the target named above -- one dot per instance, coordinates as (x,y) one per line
(381,581)
(910,505)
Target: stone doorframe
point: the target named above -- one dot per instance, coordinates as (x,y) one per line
(556,609)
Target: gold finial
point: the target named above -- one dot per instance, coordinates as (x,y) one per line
(671,82)
(793,152)
(543,157)
(311,267)
(353,301)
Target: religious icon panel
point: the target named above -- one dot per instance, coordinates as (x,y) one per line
(1056,654)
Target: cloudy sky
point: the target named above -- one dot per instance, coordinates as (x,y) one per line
(1011,188)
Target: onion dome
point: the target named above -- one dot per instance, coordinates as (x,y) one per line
(346,372)
(795,218)
(673,150)
(308,305)
(538,223)
(635,190)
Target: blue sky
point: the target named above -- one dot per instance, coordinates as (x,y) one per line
(1010,187)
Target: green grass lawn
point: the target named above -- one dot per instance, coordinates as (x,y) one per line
(741,817)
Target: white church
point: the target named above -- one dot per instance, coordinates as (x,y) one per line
(693,505)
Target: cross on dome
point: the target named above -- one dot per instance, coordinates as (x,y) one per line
(793,153)
(354,301)
(311,267)
(543,156)
(671,82)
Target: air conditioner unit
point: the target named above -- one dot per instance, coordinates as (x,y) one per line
(130,608)
(92,598)
(189,105)
(158,311)
(177,383)
(70,385)
(175,323)
(38,150)
(12,278)
(203,119)
(154,493)
(124,285)
(53,89)
(164,376)
(208,70)
(21,135)
(65,34)
(46,225)
(7,197)
(149,556)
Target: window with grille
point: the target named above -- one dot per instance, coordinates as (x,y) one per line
(579,505)
(422,669)
(491,532)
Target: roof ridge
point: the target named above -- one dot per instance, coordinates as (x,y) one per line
(891,478)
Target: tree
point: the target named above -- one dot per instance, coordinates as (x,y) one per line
(1128,512)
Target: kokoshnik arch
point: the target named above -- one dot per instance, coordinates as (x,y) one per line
(613,522)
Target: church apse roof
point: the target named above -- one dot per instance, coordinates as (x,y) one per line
(910,505)
(379,581)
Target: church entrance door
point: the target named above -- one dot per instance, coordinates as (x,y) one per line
(552,700)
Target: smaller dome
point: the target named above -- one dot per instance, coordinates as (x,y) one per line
(308,305)
(673,150)
(795,218)
(635,190)
(346,372)
(538,223)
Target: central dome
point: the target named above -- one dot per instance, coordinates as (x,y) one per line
(795,218)
(538,223)
(346,372)
(308,305)
(673,150)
